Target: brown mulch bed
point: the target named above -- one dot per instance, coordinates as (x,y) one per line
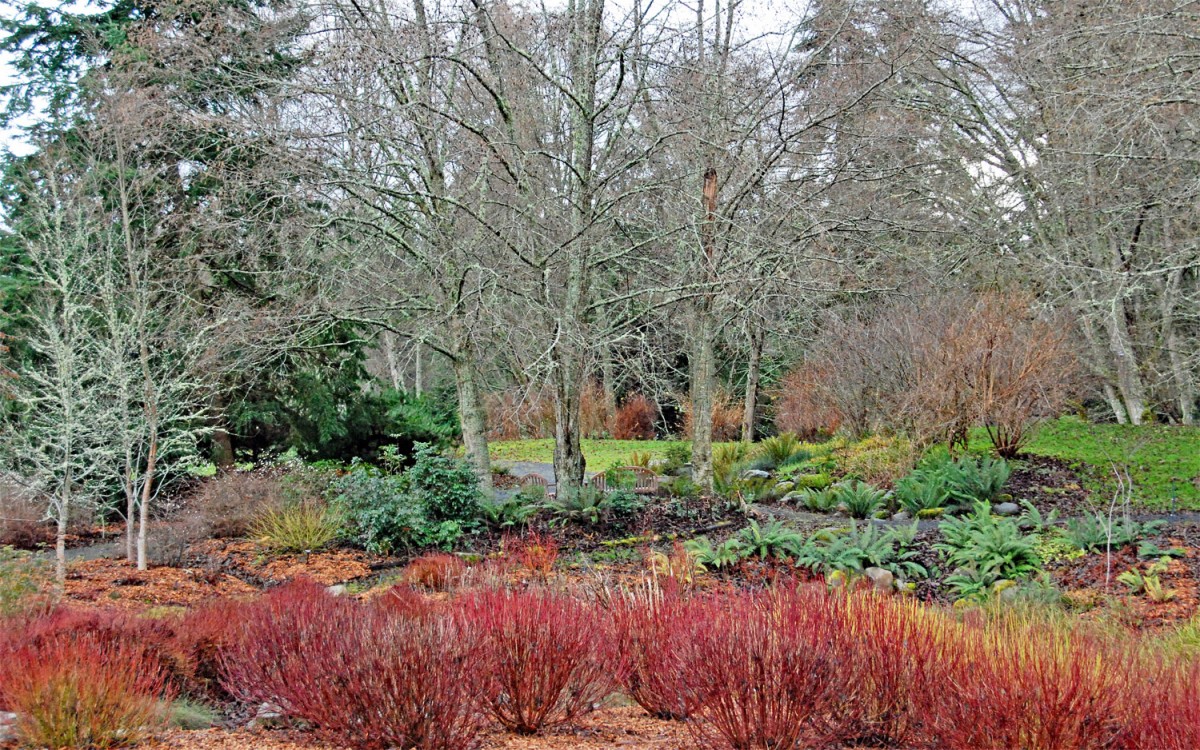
(624,727)
(1083,581)
(117,583)
(1049,483)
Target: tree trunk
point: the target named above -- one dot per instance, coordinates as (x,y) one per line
(147,494)
(702,376)
(569,463)
(472,417)
(130,509)
(60,549)
(1129,379)
(222,443)
(1114,403)
(1181,374)
(395,374)
(702,364)
(753,372)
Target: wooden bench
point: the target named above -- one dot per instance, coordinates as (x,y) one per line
(537,480)
(645,480)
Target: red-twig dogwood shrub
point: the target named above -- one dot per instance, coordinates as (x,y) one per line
(72,688)
(763,666)
(545,658)
(358,674)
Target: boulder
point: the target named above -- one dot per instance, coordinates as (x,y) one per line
(902,516)
(791,498)
(8,726)
(881,579)
(1006,509)
(338,590)
(756,474)
(785,487)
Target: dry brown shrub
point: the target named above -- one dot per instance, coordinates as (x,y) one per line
(800,407)
(635,419)
(727,417)
(229,503)
(938,366)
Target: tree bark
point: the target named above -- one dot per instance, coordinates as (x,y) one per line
(753,373)
(702,364)
(702,373)
(147,495)
(1129,379)
(472,417)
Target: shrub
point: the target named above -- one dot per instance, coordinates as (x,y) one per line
(819,501)
(860,499)
(437,571)
(545,658)
(781,449)
(75,689)
(859,548)
(923,490)
(879,459)
(1165,712)
(25,582)
(230,503)
(513,511)
(359,675)
(382,516)
(898,661)
(801,408)
(297,527)
(763,668)
(656,630)
(446,486)
(634,419)
(1031,687)
(973,480)
(986,549)
(535,552)
(812,481)
(585,505)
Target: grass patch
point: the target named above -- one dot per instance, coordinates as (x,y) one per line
(1163,460)
(600,454)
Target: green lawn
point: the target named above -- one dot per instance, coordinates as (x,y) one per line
(1163,461)
(600,454)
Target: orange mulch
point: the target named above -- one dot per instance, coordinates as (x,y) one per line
(327,567)
(625,727)
(118,583)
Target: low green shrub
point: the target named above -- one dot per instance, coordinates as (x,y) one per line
(855,549)
(812,481)
(24,582)
(1095,532)
(985,549)
(860,500)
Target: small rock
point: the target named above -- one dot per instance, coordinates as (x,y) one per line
(338,590)
(1006,590)
(791,498)
(268,714)
(756,474)
(8,726)
(1006,509)
(785,487)
(684,471)
(902,516)
(881,579)
(836,579)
